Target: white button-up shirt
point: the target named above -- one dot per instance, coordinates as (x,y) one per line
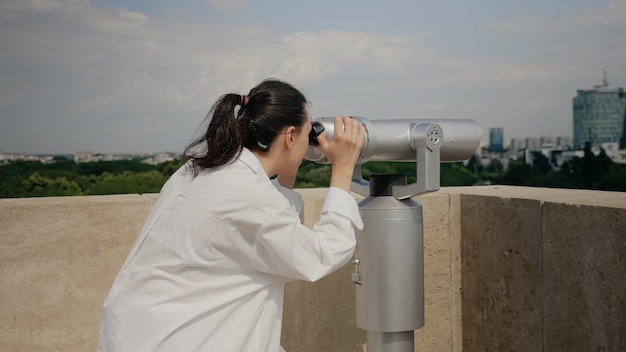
(208,270)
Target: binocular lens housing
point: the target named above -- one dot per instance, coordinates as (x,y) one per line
(317,128)
(395,139)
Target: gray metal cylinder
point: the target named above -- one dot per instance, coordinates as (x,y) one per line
(403,341)
(389,265)
(391,139)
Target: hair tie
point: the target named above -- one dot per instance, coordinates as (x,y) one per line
(255,134)
(244,100)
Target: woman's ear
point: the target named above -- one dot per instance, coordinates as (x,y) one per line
(289,137)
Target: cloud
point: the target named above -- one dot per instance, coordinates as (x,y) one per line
(359,48)
(587,42)
(612,16)
(43,6)
(8,99)
(102,66)
(132,16)
(232,5)
(126,57)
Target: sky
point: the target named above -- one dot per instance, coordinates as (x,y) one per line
(140,76)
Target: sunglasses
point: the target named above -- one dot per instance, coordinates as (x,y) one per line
(317,128)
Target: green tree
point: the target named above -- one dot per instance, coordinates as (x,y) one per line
(518,173)
(474,165)
(312,175)
(541,164)
(586,172)
(390,167)
(113,167)
(614,180)
(495,166)
(38,185)
(128,182)
(169,167)
(455,174)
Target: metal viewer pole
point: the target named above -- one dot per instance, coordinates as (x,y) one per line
(389,267)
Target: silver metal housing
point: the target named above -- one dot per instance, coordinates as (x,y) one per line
(390,265)
(393,139)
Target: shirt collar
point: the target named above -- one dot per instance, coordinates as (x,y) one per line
(251,161)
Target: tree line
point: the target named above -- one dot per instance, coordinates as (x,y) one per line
(595,172)
(66,178)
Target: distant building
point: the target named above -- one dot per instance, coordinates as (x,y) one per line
(546,141)
(563,142)
(496,139)
(533,143)
(6,158)
(553,156)
(517,144)
(611,150)
(83,156)
(160,158)
(600,116)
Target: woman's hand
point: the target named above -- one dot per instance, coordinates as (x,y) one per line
(343,151)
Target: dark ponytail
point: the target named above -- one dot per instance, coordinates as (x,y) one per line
(263,113)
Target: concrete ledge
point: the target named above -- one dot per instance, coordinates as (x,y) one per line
(58,257)
(542,269)
(507,268)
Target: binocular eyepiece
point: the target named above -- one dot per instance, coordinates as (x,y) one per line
(317,128)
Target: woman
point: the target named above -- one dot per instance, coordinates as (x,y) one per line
(208,270)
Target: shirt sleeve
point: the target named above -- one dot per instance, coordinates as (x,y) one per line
(285,247)
(342,203)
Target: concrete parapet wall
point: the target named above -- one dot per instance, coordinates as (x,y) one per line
(58,257)
(543,269)
(506,269)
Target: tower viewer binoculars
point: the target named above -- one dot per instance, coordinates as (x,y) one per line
(427,142)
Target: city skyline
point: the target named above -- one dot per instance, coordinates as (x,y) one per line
(114,76)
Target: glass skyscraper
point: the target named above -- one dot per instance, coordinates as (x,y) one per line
(496,139)
(600,116)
